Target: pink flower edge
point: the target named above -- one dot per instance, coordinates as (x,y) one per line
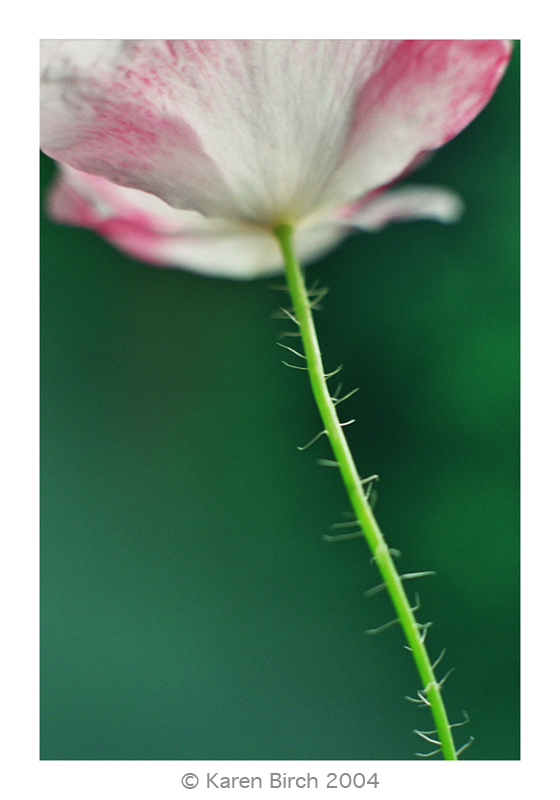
(146,228)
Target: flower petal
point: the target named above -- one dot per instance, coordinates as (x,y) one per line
(110,111)
(230,128)
(424,93)
(146,228)
(405,203)
(266,131)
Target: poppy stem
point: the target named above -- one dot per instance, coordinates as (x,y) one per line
(359,497)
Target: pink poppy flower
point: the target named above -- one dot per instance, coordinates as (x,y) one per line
(190,153)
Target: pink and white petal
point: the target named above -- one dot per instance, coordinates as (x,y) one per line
(423,94)
(402,204)
(101,115)
(241,129)
(146,228)
(107,199)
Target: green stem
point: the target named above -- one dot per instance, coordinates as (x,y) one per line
(354,486)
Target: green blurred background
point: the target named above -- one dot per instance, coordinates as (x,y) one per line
(190,607)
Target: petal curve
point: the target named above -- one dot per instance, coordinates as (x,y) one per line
(424,94)
(404,204)
(146,228)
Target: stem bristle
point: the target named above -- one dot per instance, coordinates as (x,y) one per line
(304,302)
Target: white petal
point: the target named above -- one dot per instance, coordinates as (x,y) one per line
(405,203)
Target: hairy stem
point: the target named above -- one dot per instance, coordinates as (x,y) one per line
(413,631)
